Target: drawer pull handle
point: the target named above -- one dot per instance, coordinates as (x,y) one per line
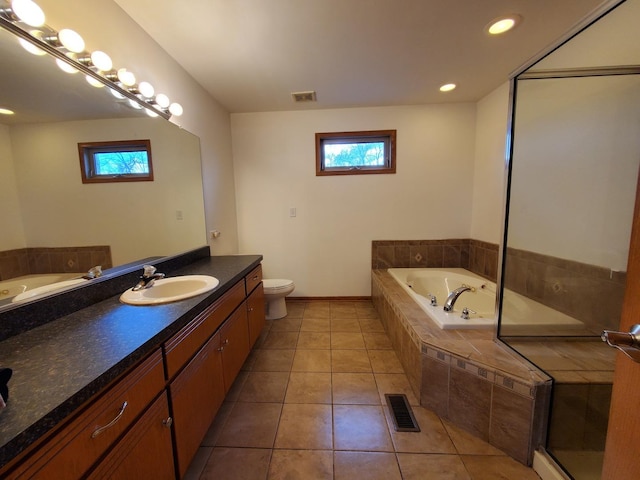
(167,422)
(99,430)
(255,278)
(251,309)
(226,342)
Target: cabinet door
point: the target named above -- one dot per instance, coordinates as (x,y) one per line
(255,311)
(145,451)
(234,342)
(196,395)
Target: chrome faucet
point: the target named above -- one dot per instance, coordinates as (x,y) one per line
(149,276)
(94,272)
(453,296)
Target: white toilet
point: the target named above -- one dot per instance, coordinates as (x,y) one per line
(275,289)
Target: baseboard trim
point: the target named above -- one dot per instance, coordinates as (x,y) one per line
(332,299)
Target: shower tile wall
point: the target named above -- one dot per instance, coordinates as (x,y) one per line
(589,293)
(27,261)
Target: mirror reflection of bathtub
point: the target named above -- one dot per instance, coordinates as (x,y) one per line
(31,287)
(522,313)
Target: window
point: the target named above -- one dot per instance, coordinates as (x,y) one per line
(121,161)
(354,153)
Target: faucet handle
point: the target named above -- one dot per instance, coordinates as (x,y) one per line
(433,299)
(465,313)
(149,270)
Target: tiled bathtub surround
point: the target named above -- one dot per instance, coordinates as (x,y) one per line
(27,261)
(589,293)
(474,255)
(465,376)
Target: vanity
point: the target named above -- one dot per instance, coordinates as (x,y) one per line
(121,391)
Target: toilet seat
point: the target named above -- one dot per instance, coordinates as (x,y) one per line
(276,284)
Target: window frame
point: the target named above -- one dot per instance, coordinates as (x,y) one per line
(87,151)
(386,136)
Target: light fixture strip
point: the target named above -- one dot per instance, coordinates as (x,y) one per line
(12,27)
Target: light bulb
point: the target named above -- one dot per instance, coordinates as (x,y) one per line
(71,40)
(146,89)
(176,109)
(6,111)
(151,113)
(65,67)
(448,87)
(28,12)
(126,77)
(162,100)
(135,104)
(93,82)
(101,61)
(116,94)
(31,48)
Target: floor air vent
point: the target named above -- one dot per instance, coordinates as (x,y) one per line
(403,418)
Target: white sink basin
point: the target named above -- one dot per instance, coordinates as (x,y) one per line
(171,289)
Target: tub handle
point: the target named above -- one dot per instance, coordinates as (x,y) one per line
(433,299)
(465,313)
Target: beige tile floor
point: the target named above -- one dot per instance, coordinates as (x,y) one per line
(309,404)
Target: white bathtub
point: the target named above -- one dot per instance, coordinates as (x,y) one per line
(517,310)
(37,285)
(422,282)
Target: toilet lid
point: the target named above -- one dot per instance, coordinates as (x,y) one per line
(276,283)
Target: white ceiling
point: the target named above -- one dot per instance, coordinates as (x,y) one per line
(251,54)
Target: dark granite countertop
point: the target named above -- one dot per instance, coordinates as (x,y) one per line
(60,365)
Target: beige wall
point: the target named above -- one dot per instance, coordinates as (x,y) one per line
(326,248)
(10,216)
(105,26)
(490,166)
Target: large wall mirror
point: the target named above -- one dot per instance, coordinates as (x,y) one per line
(573,173)
(45,205)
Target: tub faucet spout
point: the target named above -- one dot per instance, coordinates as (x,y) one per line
(453,296)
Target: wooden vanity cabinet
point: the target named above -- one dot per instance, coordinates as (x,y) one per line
(199,388)
(196,395)
(71,452)
(150,422)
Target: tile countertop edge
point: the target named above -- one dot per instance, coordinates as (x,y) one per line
(18,434)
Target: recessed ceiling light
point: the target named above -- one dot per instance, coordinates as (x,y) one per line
(503,24)
(447,87)
(6,111)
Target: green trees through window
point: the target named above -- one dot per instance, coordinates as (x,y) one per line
(353,153)
(119,161)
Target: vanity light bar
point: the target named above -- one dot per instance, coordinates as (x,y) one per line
(68,48)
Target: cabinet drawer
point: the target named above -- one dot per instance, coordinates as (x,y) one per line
(184,344)
(71,452)
(253,278)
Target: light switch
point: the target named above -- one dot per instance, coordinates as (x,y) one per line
(292,212)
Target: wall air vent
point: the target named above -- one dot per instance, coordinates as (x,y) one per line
(309,96)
